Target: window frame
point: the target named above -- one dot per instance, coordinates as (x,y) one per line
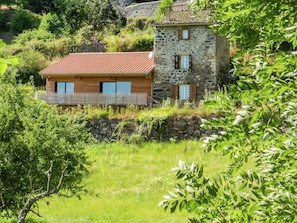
(117,84)
(65,88)
(184,92)
(181,34)
(179,61)
(192,92)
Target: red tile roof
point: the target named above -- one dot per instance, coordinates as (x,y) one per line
(102,63)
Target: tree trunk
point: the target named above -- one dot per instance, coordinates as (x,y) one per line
(27,207)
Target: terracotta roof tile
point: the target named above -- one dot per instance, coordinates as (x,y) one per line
(102,63)
(186,17)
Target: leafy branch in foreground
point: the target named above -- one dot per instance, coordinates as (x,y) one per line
(259,130)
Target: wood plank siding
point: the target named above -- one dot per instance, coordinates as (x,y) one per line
(92,84)
(87,91)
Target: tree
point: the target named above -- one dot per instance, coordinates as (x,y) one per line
(23,20)
(161,10)
(37,6)
(30,63)
(102,13)
(7,2)
(258,123)
(41,150)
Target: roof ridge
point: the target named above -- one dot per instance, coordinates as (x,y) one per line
(84,53)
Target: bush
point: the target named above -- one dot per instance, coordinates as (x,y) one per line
(139,41)
(43,42)
(51,23)
(34,34)
(30,63)
(23,20)
(144,43)
(138,35)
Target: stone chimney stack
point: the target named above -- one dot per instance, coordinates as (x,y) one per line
(167,13)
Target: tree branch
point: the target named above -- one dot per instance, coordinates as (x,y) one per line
(27,207)
(2,201)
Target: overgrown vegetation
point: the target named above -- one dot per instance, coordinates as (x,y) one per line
(167,109)
(66,27)
(258,122)
(138,35)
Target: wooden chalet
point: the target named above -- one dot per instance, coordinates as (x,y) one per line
(99,79)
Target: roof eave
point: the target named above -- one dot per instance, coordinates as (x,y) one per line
(183,24)
(94,74)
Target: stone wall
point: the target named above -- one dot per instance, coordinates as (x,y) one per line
(176,128)
(142,10)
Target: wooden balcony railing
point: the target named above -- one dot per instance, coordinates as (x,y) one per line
(94,99)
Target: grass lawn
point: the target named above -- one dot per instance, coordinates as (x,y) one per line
(128,181)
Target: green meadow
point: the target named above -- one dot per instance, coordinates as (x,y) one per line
(126,183)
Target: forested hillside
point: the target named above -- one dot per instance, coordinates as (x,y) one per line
(39,33)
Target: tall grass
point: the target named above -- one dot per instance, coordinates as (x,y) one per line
(127,182)
(167,109)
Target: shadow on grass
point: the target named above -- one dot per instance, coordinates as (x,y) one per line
(28,220)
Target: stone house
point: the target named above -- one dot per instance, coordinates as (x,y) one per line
(189,58)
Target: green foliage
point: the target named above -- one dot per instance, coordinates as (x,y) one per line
(35,34)
(256,22)
(108,12)
(160,12)
(37,6)
(258,122)
(51,23)
(23,20)
(138,35)
(30,63)
(32,135)
(4,63)
(7,2)
(2,20)
(42,42)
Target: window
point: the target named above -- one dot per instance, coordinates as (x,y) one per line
(115,87)
(183,61)
(184,34)
(65,87)
(184,92)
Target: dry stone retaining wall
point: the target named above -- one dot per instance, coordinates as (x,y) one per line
(147,9)
(177,128)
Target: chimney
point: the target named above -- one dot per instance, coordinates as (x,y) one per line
(167,13)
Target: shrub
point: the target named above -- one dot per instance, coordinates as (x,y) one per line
(30,63)
(23,20)
(138,35)
(34,34)
(51,23)
(143,43)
